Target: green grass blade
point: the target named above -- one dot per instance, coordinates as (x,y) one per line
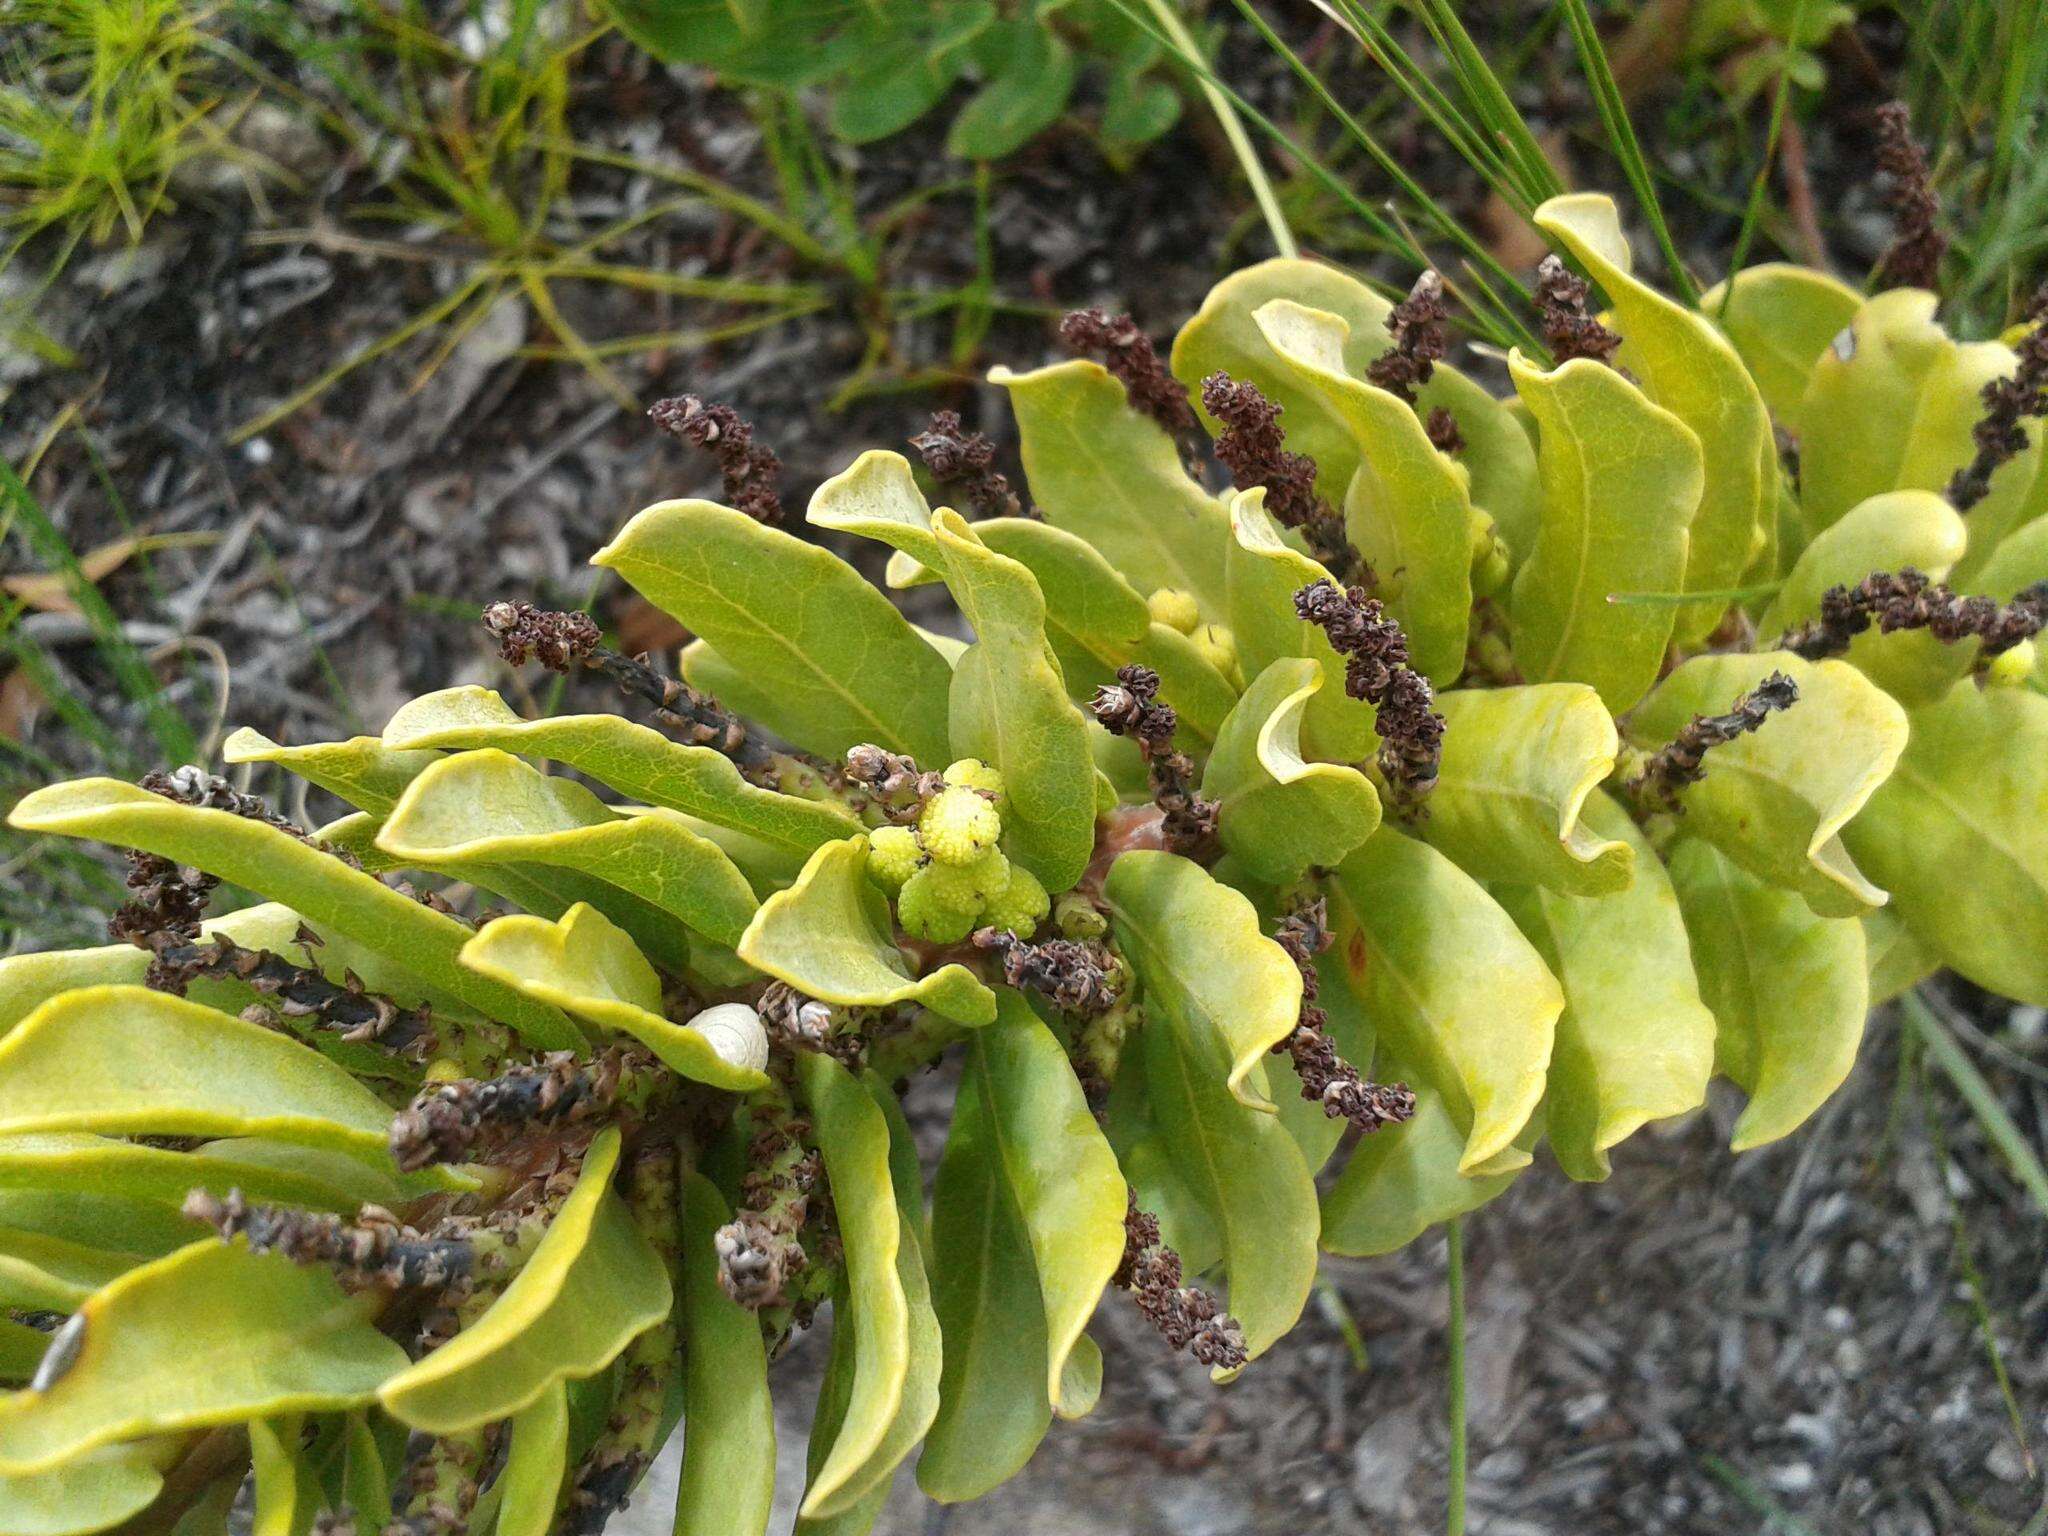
(1982,1099)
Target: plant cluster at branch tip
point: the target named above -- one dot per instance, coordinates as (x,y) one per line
(1913,259)
(751,470)
(1909,599)
(1186,1316)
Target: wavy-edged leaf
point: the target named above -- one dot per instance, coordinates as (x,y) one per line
(127,1060)
(633,759)
(275,1338)
(263,1170)
(1264,572)
(1403,1179)
(828,936)
(1408,509)
(1634,1043)
(1622,479)
(1010,709)
(1450,984)
(1277,811)
(300,876)
(1959,835)
(1780,318)
(364,771)
(853,1139)
(56,1249)
(536,1465)
(877,497)
(1899,960)
(835,663)
(1689,368)
(1518,765)
(488,807)
(728,1476)
(592,1285)
(1201,958)
(1789,990)
(94,1493)
(1239,1167)
(1776,800)
(1102,471)
(1888,532)
(588,966)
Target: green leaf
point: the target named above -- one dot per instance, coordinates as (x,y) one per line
(633,759)
(1789,990)
(57,1249)
(728,1475)
(1010,709)
(21,1351)
(488,807)
(1898,960)
(877,497)
(589,967)
(888,89)
(1264,573)
(281,1481)
(1776,800)
(536,1465)
(1689,368)
(592,1285)
(1888,532)
(1102,471)
(1780,318)
(128,1060)
(1518,766)
(1278,812)
(853,1138)
(1202,960)
(1026,94)
(1634,1043)
(1403,1179)
(1621,481)
(94,1493)
(1959,836)
(833,659)
(364,1482)
(1450,983)
(1239,1166)
(362,770)
(275,1337)
(1408,509)
(829,937)
(279,866)
(75,1162)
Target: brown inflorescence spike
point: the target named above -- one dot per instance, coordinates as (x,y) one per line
(1671,768)
(1568,330)
(1421,339)
(1130,707)
(1913,260)
(751,471)
(1073,976)
(1326,1077)
(1185,1315)
(2007,402)
(1910,599)
(296,991)
(957,457)
(376,1251)
(1253,447)
(1128,354)
(458,1121)
(1376,670)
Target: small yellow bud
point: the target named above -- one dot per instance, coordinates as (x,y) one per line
(988,876)
(939,904)
(893,856)
(958,825)
(1175,609)
(973,773)
(1021,906)
(2011,669)
(444,1069)
(1080,918)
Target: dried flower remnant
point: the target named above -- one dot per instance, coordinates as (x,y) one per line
(896,786)
(1128,354)
(1327,1078)
(1130,707)
(457,1121)
(1418,326)
(957,457)
(1186,1316)
(1441,427)
(1376,670)
(377,1251)
(1568,330)
(1253,447)
(795,1021)
(1910,599)
(1913,260)
(1670,769)
(1072,975)
(751,471)
(2007,402)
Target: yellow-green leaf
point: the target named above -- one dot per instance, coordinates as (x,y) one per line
(1408,509)
(877,497)
(94,1493)
(1113,477)
(488,807)
(592,1285)
(1450,983)
(836,664)
(363,770)
(262,1170)
(1689,368)
(275,1338)
(1622,479)
(589,967)
(1634,1043)
(1201,958)
(1518,765)
(1788,990)
(1959,834)
(302,877)
(1780,318)
(1277,811)
(535,1465)
(1899,960)
(727,1482)
(1010,709)
(828,936)
(1776,800)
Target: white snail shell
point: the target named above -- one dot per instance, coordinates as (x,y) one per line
(735,1033)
